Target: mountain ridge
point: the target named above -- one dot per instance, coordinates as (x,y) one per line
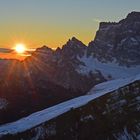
(49,114)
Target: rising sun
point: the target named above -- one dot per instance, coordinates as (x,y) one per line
(20,48)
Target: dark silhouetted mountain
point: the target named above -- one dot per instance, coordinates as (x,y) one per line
(4,50)
(60,66)
(27,88)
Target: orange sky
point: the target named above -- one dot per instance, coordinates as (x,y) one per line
(53,22)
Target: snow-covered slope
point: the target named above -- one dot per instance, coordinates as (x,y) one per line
(110,70)
(40,117)
(112,85)
(115,50)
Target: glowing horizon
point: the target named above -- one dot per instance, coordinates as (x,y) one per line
(52,22)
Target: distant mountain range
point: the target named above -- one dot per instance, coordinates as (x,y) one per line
(5,50)
(114,53)
(49,77)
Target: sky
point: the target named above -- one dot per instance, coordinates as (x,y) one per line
(53,22)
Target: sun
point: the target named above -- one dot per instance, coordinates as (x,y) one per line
(20,48)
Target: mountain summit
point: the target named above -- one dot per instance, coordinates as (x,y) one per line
(135,16)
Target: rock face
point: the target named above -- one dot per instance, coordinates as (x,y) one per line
(67,63)
(114,116)
(118,42)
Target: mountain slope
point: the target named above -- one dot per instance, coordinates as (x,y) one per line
(110,91)
(25,88)
(60,66)
(115,50)
(109,70)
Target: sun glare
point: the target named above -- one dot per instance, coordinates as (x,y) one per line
(20,48)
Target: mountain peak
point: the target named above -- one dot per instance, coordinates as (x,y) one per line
(131,17)
(44,48)
(118,41)
(58,49)
(74,39)
(133,14)
(74,43)
(106,24)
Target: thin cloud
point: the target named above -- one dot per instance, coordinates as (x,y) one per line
(5,50)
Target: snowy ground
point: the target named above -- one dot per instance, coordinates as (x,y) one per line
(107,69)
(54,111)
(113,84)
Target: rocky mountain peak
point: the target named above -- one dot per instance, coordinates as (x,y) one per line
(106,24)
(58,49)
(131,18)
(44,49)
(74,43)
(43,52)
(118,41)
(134,15)
(75,39)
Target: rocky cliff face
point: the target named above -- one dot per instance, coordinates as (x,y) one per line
(119,42)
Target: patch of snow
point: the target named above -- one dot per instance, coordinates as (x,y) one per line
(110,45)
(40,133)
(125,135)
(113,84)
(133,39)
(138,98)
(86,118)
(138,107)
(45,115)
(123,40)
(118,104)
(51,130)
(130,31)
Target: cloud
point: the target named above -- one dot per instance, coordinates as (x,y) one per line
(5,50)
(6,53)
